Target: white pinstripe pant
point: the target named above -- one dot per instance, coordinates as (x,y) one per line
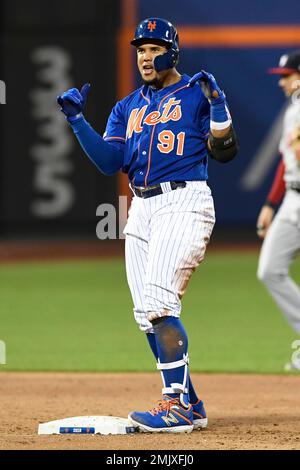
(166,239)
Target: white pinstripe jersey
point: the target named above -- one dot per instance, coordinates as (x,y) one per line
(290,142)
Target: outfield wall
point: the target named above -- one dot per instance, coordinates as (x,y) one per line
(47,186)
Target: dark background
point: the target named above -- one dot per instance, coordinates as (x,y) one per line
(47,185)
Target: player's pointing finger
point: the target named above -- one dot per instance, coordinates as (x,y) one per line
(84,91)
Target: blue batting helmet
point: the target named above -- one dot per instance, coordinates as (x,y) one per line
(156,28)
(159,29)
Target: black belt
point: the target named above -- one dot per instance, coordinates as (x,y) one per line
(157,189)
(294,186)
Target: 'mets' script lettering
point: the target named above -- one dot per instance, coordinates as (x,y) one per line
(171,112)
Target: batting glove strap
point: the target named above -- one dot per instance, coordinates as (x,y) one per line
(219,115)
(73,119)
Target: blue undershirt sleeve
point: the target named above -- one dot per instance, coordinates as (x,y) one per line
(108,157)
(203,117)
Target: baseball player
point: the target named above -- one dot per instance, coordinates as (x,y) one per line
(161,135)
(281,233)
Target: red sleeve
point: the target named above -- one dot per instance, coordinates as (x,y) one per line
(278,187)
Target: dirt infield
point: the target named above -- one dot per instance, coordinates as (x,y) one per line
(245,411)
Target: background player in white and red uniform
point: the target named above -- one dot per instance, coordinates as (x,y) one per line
(282,235)
(161,136)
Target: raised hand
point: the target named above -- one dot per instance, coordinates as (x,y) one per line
(208,85)
(73,101)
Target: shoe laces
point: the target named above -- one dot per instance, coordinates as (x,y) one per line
(164,405)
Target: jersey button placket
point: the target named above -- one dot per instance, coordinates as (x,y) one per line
(154,107)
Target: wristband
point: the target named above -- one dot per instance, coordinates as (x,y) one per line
(268,203)
(219,114)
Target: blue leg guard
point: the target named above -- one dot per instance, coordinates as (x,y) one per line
(172,347)
(193,397)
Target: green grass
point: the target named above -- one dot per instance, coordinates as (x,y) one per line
(78,316)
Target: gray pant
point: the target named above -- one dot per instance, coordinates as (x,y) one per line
(279,248)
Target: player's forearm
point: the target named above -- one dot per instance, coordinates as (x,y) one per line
(277,190)
(107,158)
(222,142)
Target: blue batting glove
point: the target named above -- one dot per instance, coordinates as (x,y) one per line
(72,102)
(208,85)
(219,114)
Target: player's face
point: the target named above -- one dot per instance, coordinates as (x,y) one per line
(290,83)
(145,57)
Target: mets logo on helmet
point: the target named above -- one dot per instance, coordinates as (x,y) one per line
(151,26)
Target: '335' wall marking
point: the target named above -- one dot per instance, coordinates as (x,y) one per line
(52,173)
